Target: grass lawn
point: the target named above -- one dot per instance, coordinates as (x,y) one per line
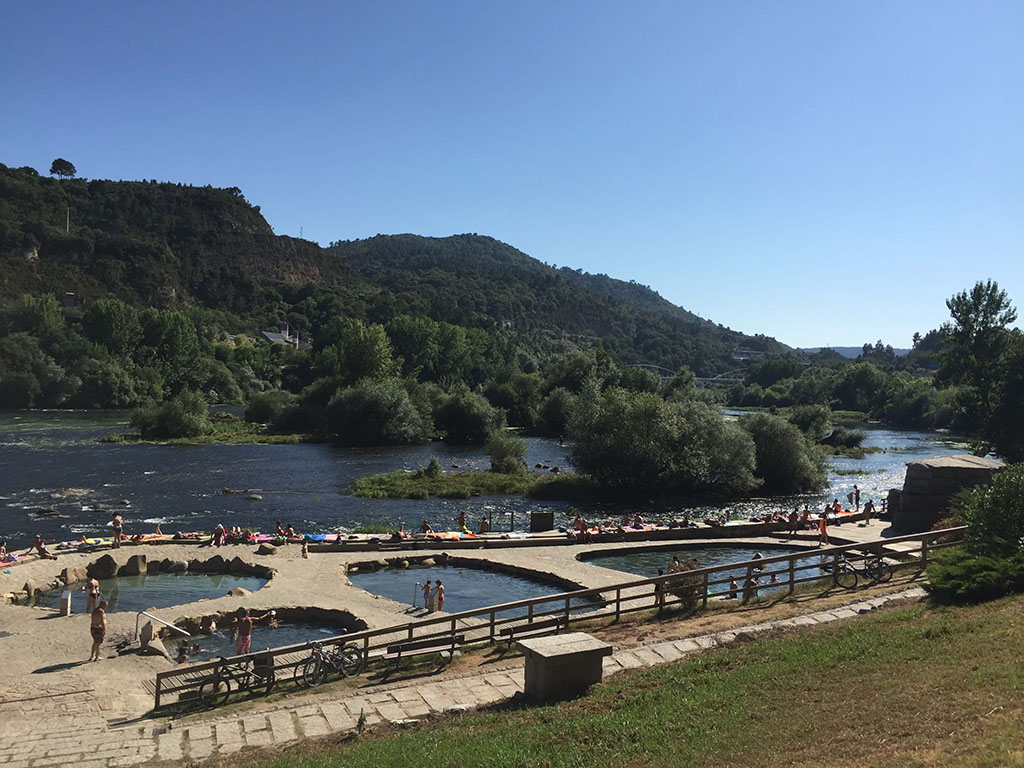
(917,686)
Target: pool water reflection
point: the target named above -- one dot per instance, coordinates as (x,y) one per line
(159,590)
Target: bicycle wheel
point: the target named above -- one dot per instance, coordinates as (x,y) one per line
(214,692)
(314,672)
(351,661)
(878,569)
(263,679)
(844,576)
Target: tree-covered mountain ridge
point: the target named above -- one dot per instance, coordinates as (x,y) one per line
(462,276)
(174,246)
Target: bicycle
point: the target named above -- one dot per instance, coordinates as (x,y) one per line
(256,676)
(347,660)
(846,572)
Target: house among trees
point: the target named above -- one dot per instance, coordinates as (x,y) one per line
(283,335)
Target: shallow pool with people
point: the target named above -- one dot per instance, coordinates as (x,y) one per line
(158,590)
(202,646)
(465,588)
(646,563)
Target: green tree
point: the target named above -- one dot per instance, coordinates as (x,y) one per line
(466,417)
(641,442)
(787,462)
(351,350)
(555,412)
(1006,432)
(973,345)
(63,168)
(113,324)
(375,412)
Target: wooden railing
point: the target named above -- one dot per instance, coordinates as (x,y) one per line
(585,605)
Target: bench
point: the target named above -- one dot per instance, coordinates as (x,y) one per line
(532,629)
(424,647)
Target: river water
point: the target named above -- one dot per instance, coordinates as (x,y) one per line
(54,460)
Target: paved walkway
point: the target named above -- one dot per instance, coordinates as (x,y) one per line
(69,727)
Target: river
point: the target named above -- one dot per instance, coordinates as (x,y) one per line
(44,455)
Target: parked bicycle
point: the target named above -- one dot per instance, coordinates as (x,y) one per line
(846,572)
(255,676)
(347,661)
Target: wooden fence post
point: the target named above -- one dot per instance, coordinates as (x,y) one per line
(618,604)
(792,575)
(705,598)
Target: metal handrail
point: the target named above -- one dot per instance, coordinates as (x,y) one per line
(157,618)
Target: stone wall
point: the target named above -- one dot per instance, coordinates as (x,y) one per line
(930,484)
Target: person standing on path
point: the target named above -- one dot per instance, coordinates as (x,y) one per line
(98,629)
(93,591)
(439,596)
(118,531)
(856,497)
(822,530)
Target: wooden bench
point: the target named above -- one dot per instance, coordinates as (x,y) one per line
(424,647)
(532,629)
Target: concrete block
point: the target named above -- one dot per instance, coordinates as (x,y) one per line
(560,666)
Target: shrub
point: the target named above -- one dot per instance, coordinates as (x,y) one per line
(266,407)
(842,437)
(185,415)
(434,468)
(995,514)
(506,452)
(958,575)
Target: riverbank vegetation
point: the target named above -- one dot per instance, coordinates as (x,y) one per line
(463,485)
(165,289)
(722,707)
(220,429)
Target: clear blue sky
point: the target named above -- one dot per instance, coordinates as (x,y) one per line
(824,172)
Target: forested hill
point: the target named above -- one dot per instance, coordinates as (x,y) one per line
(466,279)
(160,244)
(175,246)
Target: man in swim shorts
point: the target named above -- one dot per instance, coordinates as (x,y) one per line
(98,629)
(243,630)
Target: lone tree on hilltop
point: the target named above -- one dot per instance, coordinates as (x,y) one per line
(64,169)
